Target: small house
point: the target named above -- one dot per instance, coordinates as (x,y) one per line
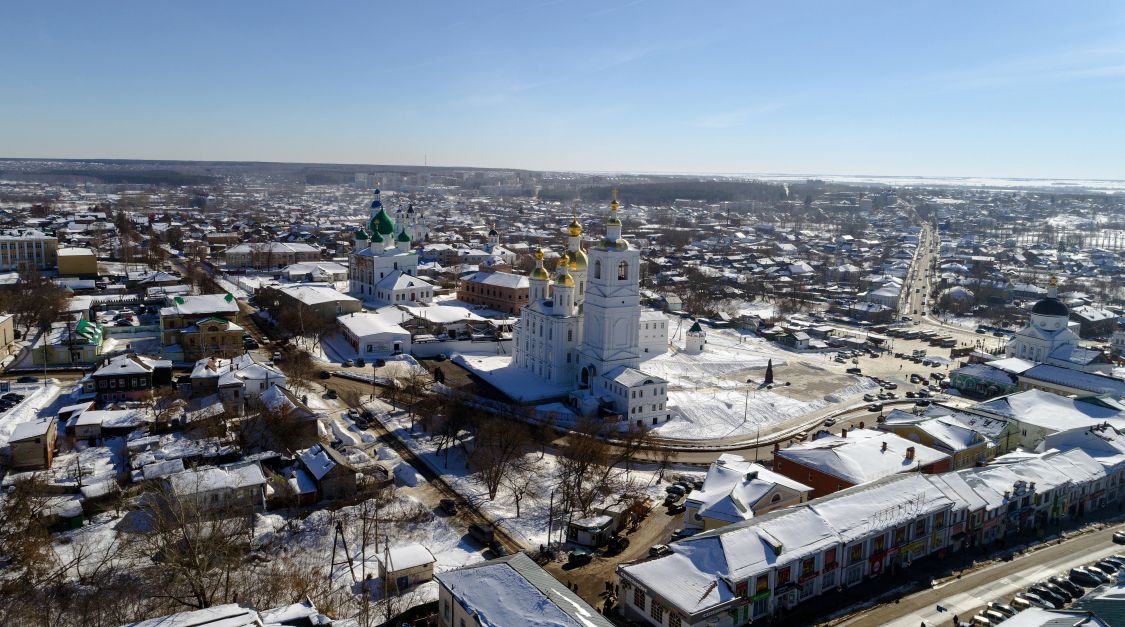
(407,565)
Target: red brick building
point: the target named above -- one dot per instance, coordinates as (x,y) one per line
(831,463)
(502,291)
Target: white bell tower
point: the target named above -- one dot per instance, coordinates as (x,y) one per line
(612,307)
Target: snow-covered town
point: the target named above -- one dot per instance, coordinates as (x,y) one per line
(562,314)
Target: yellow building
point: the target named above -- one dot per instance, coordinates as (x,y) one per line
(213,336)
(77,262)
(946,433)
(28,249)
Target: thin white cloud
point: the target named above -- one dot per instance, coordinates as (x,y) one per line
(734,119)
(1056,66)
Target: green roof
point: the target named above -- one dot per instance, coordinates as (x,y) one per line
(695,328)
(404,237)
(361,234)
(382,224)
(375,237)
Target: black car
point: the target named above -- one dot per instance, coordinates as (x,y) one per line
(616,545)
(1045,593)
(27,380)
(449,506)
(331,394)
(360,362)
(324,374)
(1074,589)
(579,557)
(249,345)
(498,550)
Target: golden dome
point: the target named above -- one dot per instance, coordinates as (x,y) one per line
(539,254)
(564,262)
(574,229)
(539,274)
(613,221)
(564,280)
(580,261)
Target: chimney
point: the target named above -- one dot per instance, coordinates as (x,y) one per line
(910,453)
(861,424)
(1006,494)
(1031,487)
(884,447)
(752,475)
(776,446)
(843,433)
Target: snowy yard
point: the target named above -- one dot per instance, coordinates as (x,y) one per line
(530,527)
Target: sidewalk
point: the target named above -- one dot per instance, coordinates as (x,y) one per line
(932,572)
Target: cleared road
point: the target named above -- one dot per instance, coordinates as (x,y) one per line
(998,582)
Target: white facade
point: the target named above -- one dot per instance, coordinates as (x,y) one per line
(1050,339)
(371,335)
(653,334)
(583,331)
(382,255)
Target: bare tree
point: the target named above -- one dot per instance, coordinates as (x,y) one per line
(498,447)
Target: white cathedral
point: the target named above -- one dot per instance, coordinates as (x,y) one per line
(1049,338)
(581,330)
(382,267)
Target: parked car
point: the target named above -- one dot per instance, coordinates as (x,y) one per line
(854,371)
(330,393)
(482,533)
(829,422)
(1006,610)
(1119,537)
(1083,578)
(1048,595)
(1040,601)
(685,485)
(359,362)
(1074,589)
(348,363)
(27,380)
(616,545)
(675,489)
(867,398)
(324,374)
(250,345)
(680,534)
(657,550)
(1058,590)
(579,557)
(875,407)
(1109,569)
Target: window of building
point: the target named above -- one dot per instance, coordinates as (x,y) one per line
(674,620)
(783,575)
(775,498)
(900,535)
(879,544)
(598,269)
(639,598)
(622,271)
(808,566)
(920,528)
(657,611)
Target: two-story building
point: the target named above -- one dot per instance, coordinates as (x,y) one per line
(129,377)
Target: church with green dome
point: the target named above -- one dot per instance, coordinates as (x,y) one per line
(383,265)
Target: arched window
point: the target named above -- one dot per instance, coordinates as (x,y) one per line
(598,269)
(622,271)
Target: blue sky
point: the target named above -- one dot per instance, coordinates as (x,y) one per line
(971,88)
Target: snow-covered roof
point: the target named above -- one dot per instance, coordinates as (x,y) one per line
(130,364)
(734,485)
(367,324)
(498,279)
(514,590)
(314,293)
(1090,382)
(205,479)
(200,305)
(407,556)
(861,457)
(398,280)
(631,377)
(1051,411)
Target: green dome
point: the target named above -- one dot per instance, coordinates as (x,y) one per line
(375,237)
(403,237)
(381,223)
(361,234)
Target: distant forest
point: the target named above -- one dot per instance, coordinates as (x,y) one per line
(137,177)
(665,193)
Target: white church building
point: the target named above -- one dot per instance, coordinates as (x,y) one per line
(1051,338)
(382,267)
(581,330)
